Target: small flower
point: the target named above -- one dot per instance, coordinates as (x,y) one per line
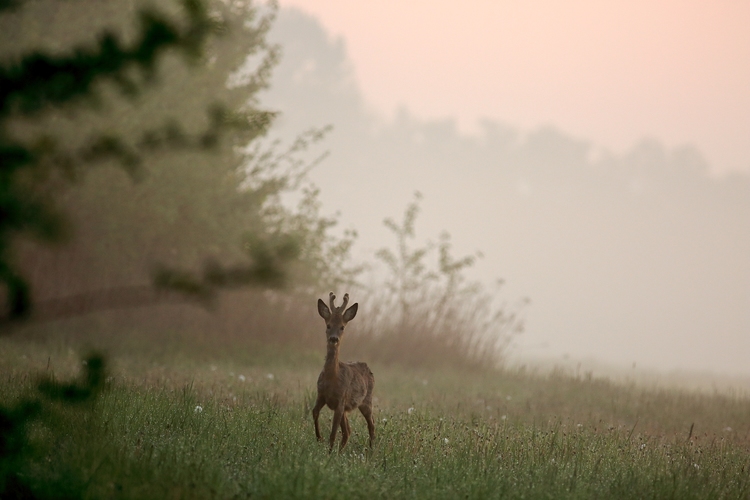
(269,376)
(410,411)
(445,440)
(727,429)
(504,417)
(198,409)
(242,378)
(696,466)
(643,446)
(385,420)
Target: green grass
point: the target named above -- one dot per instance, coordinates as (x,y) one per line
(440,434)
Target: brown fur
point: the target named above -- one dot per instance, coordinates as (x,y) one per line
(342,386)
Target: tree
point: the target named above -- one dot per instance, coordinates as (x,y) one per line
(127,96)
(35,163)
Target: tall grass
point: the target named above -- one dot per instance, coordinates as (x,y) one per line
(465,332)
(471,332)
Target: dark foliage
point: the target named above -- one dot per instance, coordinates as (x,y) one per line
(41,81)
(52,399)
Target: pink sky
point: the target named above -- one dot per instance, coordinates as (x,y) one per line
(611,72)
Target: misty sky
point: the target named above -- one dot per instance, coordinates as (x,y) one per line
(632,256)
(611,72)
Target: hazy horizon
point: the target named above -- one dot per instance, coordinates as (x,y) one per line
(628,257)
(613,73)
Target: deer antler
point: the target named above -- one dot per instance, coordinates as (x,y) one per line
(332,300)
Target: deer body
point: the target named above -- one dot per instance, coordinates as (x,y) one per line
(343,387)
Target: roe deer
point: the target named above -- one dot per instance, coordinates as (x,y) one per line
(342,386)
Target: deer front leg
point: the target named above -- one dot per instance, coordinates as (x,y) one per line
(316,413)
(338,413)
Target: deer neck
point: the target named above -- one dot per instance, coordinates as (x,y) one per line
(331,368)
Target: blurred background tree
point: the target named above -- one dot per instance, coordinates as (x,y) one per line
(169,93)
(138,171)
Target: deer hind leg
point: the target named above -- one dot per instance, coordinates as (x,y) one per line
(348,427)
(338,414)
(319,404)
(367,413)
(346,430)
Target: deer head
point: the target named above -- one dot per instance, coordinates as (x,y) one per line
(336,317)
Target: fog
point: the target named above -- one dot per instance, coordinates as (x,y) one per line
(631,257)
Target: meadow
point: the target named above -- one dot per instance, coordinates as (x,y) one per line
(180,422)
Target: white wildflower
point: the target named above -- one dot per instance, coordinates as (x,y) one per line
(269,376)
(242,378)
(198,409)
(410,411)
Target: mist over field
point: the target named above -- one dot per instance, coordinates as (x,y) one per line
(512,313)
(638,258)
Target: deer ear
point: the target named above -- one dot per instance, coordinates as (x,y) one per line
(350,313)
(323,310)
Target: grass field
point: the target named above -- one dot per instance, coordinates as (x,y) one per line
(191,424)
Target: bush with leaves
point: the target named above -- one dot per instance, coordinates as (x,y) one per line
(432,313)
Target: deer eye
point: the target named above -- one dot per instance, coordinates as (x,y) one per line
(342,328)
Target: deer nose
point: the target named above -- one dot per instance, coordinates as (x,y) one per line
(333,339)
